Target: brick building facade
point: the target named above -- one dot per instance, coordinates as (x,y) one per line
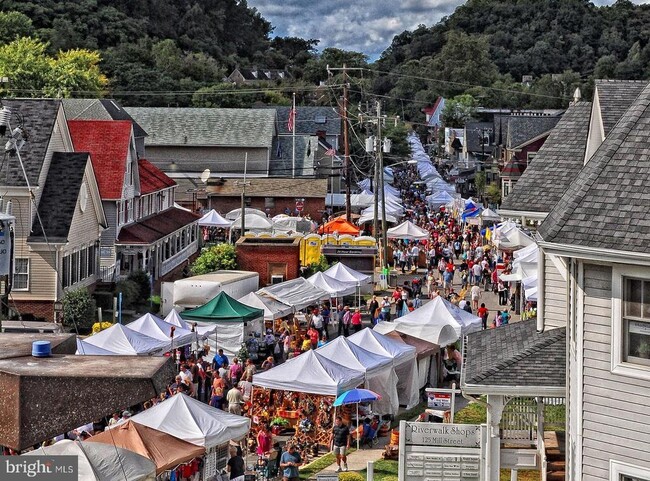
(270,257)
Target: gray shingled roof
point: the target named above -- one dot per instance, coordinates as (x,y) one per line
(197,127)
(306,120)
(474,135)
(607,205)
(556,164)
(515,355)
(60,195)
(281,163)
(39,117)
(615,97)
(524,128)
(99,109)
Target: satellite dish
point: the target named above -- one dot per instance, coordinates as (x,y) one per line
(205,176)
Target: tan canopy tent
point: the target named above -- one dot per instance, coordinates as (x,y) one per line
(164,450)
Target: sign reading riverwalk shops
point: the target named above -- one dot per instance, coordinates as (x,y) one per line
(441,452)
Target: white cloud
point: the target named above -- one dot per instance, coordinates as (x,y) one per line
(366,26)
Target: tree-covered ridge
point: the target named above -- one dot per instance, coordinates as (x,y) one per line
(562,44)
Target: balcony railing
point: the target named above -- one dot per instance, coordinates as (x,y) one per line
(178,258)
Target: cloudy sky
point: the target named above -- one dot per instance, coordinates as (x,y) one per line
(362,25)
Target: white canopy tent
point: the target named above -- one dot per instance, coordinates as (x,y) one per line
(119,340)
(175,319)
(253,222)
(152,326)
(488,215)
(370,216)
(235,213)
(272,309)
(438,321)
(101,462)
(213,219)
(380,374)
(335,287)
(440,198)
(407,230)
(297,293)
(344,273)
(404,361)
(284,223)
(311,373)
(194,421)
(509,236)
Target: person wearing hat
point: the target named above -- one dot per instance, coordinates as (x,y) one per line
(385,308)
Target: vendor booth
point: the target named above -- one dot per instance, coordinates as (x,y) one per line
(438,321)
(166,451)
(197,423)
(152,326)
(404,361)
(341,226)
(407,230)
(299,394)
(272,309)
(234,322)
(298,293)
(380,374)
(335,287)
(101,462)
(119,340)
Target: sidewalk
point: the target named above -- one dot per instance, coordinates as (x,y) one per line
(358,460)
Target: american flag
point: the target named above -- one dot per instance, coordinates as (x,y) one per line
(331,152)
(291,124)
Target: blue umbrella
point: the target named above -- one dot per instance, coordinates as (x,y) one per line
(356,396)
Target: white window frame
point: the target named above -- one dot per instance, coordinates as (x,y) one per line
(618,469)
(618,365)
(21,289)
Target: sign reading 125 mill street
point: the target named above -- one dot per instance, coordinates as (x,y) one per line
(441,452)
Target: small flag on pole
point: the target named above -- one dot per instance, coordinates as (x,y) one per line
(291,124)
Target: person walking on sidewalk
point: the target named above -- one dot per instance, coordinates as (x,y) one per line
(340,443)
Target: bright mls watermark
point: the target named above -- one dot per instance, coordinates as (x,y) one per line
(39,468)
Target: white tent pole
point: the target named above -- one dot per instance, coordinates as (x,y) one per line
(357,426)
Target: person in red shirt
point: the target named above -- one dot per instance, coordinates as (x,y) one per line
(483,313)
(313,337)
(357,324)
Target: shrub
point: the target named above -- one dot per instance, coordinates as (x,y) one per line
(214,258)
(78,309)
(141,279)
(130,293)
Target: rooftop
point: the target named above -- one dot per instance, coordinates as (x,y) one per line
(272,187)
(155,227)
(556,164)
(152,179)
(615,97)
(514,356)
(206,127)
(606,206)
(108,142)
(524,128)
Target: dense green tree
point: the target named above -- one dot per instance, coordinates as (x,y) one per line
(214,258)
(459,110)
(14,25)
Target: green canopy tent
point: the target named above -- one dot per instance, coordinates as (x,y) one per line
(235,321)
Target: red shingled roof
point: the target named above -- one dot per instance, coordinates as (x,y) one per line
(108,143)
(152,179)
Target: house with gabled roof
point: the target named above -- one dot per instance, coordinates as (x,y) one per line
(59,214)
(251,75)
(600,228)
(145,230)
(518,370)
(202,148)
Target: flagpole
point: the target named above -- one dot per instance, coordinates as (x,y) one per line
(293,125)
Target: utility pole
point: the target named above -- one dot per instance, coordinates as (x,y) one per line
(346,146)
(380,159)
(243,197)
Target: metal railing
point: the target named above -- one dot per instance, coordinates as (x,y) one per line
(107,274)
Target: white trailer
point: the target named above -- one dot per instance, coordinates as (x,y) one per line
(195,291)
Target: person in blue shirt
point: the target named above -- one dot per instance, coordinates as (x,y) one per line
(220,360)
(289,462)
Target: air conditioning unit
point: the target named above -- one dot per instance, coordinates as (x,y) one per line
(277,279)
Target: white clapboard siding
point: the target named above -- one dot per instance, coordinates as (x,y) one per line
(555,296)
(615,411)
